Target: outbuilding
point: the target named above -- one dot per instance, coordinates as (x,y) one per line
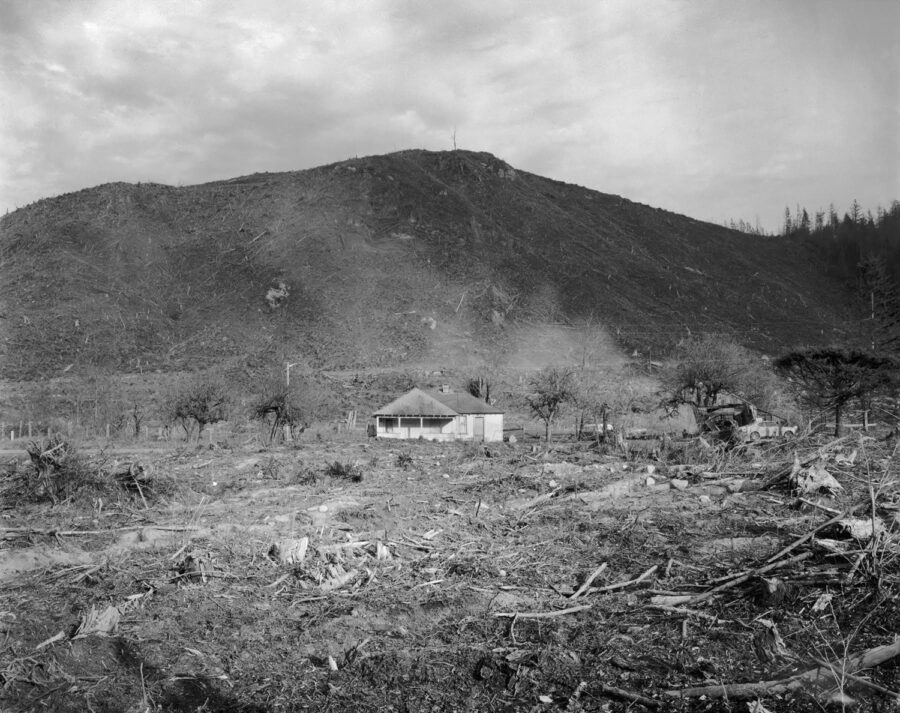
(439,416)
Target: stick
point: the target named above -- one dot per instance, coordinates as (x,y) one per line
(811,533)
(768,568)
(544,614)
(687,612)
(744,577)
(830,511)
(821,675)
(622,585)
(52,640)
(587,583)
(75,533)
(863,681)
(629,696)
(141,491)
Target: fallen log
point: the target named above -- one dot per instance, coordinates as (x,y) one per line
(822,676)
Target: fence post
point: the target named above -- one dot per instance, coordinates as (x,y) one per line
(107,431)
(29,429)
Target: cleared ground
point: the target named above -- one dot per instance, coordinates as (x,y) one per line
(450,577)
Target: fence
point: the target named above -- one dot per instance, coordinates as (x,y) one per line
(155,431)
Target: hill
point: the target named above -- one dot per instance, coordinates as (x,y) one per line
(427,258)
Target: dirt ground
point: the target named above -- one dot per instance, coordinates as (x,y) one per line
(448,577)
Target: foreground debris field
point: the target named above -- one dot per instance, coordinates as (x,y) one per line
(376,576)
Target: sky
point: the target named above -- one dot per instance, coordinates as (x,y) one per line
(717,109)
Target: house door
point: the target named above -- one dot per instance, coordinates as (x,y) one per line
(479,428)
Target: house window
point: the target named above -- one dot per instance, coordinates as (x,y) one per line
(463,425)
(389,425)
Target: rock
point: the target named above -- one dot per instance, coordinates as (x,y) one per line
(813,480)
(679,483)
(651,469)
(705,499)
(650,482)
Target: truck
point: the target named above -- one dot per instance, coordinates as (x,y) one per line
(742,421)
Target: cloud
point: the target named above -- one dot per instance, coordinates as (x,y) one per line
(707,109)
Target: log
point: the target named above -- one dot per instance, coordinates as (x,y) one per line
(821,676)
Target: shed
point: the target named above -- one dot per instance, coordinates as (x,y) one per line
(439,416)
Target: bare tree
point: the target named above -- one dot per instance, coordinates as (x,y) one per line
(706,366)
(551,389)
(279,408)
(202,400)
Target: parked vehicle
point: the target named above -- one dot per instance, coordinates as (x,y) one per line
(768,428)
(741,421)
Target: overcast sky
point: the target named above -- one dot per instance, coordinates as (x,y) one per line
(713,108)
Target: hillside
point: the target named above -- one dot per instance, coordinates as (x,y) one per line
(443,259)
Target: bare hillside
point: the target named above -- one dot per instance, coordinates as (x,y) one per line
(414,257)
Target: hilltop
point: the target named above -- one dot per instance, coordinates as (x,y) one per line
(417,257)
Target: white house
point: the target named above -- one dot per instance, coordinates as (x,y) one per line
(439,416)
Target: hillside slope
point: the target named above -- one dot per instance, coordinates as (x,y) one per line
(415,257)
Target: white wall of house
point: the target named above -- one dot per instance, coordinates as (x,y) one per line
(462,428)
(491,426)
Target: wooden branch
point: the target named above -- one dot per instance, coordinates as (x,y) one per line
(687,612)
(818,506)
(827,675)
(629,696)
(864,682)
(809,535)
(743,578)
(587,583)
(622,585)
(542,615)
(75,533)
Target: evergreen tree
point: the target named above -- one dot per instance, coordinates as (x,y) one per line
(786,230)
(829,379)
(883,301)
(804,223)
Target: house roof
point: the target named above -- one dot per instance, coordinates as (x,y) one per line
(432,403)
(462,402)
